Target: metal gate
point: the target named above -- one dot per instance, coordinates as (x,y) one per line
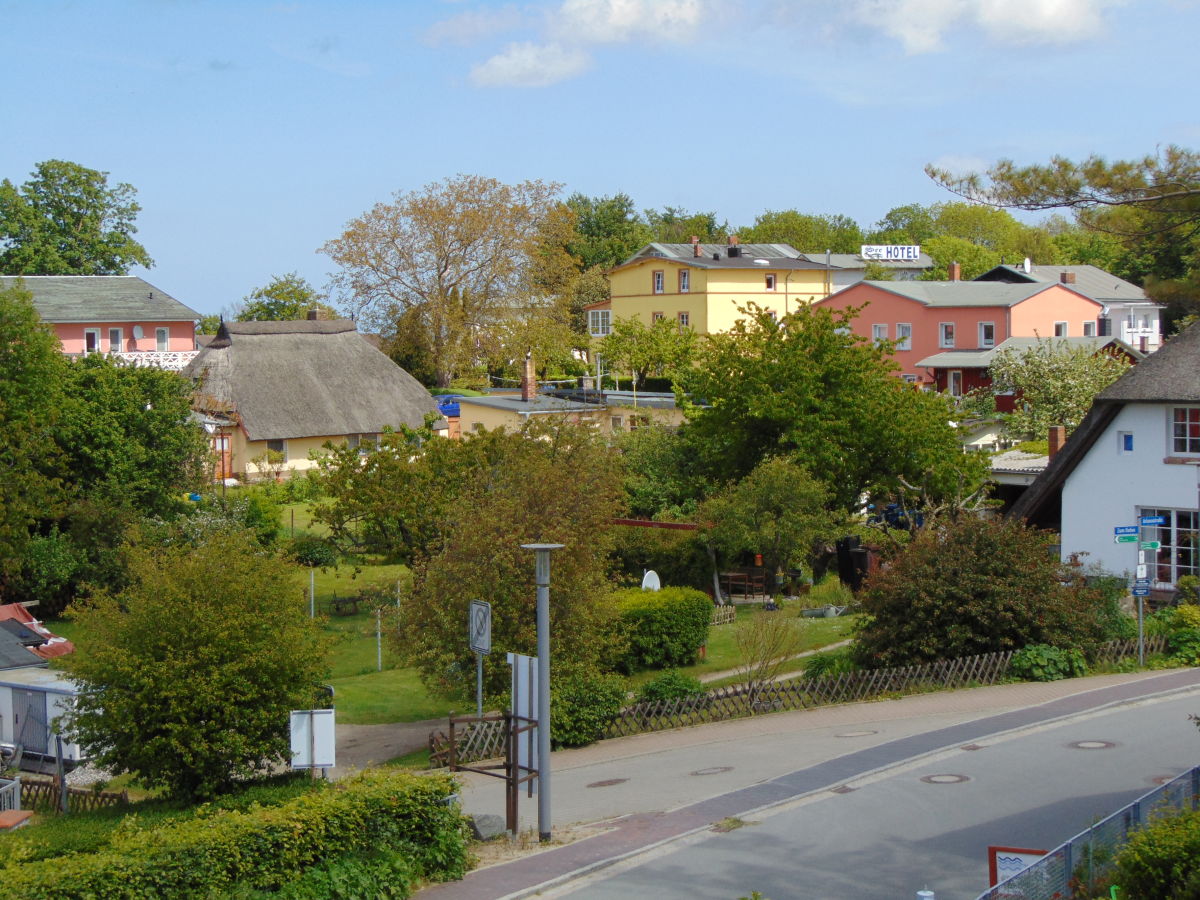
(30,729)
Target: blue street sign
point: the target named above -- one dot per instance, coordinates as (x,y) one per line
(1141,582)
(1141,592)
(1152,520)
(1125,529)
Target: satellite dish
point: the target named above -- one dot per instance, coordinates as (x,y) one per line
(137,332)
(650,581)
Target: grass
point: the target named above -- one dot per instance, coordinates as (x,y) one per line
(394,695)
(298,520)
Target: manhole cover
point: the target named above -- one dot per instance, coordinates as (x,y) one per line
(971,747)
(1091,745)
(715,770)
(844,789)
(945,779)
(608,782)
(855,733)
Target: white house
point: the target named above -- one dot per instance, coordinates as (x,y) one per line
(1136,454)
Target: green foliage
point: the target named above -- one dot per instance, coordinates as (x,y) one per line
(51,565)
(285,297)
(583,703)
(607,230)
(219,852)
(826,665)
(674,225)
(807,233)
(670,685)
(972,259)
(1183,643)
(380,876)
(972,585)
(310,550)
(67,220)
(665,627)
(1161,861)
(1041,662)
(660,347)
(187,678)
(678,557)
(807,388)
(1188,587)
(660,481)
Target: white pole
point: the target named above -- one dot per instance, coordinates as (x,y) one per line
(312,593)
(379,639)
(542,572)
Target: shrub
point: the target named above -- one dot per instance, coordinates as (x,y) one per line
(665,628)
(262,848)
(309,550)
(380,876)
(1189,589)
(1162,860)
(670,685)
(1184,646)
(1187,615)
(835,662)
(582,705)
(1041,662)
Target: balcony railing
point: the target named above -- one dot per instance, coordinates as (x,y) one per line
(171,360)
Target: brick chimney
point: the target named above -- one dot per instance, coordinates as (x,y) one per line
(733,240)
(696,251)
(529,379)
(955,271)
(1067,277)
(1058,437)
(314,314)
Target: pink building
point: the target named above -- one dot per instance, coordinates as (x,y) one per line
(925,318)
(118,314)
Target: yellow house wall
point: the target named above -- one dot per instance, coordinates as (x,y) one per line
(244,452)
(667,417)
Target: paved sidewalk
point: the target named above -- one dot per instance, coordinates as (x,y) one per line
(656,788)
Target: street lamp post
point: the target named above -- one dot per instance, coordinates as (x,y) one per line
(542,573)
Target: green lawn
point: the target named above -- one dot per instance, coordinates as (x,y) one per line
(296,520)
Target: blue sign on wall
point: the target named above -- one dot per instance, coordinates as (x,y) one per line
(1125,529)
(1141,592)
(1153,520)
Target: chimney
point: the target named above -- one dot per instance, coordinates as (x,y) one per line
(955,271)
(1067,277)
(696,251)
(1058,437)
(733,249)
(529,379)
(313,314)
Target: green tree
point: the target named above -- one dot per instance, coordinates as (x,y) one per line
(908,224)
(551,482)
(661,481)
(973,259)
(208,324)
(1054,382)
(285,297)
(971,585)
(187,678)
(663,347)
(607,230)
(68,220)
(674,225)
(807,233)
(805,387)
(458,255)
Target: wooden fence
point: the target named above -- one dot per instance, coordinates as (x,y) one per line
(43,795)
(484,739)
(723,615)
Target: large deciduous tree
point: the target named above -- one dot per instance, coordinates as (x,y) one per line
(457,255)
(640,350)
(285,297)
(68,220)
(807,233)
(607,230)
(187,678)
(806,387)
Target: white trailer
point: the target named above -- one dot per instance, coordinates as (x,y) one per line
(31,699)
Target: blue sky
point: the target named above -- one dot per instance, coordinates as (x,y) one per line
(254,131)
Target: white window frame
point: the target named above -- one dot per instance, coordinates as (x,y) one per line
(1064,327)
(1185,431)
(770,281)
(659,281)
(904,335)
(684,318)
(952,376)
(616,423)
(909,379)
(599,322)
(657,316)
(685,281)
(95,333)
(985,341)
(117,346)
(1175,557)
(283,447)
(162,339)
(946,335)
(1089,328)
(879,333)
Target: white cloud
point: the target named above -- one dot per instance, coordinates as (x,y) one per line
(531,65)
(474,25)
(619,21)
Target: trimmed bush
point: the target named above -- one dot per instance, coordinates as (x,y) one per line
(313,551)
(665,628)
(1184,645)
(1187,615)
(1162,860)
(582,705)
(1041,662)
(670,685)
(262,849)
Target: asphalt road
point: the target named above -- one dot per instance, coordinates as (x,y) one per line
(895,834)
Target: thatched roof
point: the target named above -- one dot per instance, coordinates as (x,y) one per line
(307,379)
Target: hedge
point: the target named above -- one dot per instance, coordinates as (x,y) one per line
(262,848)
(666,628)
(1162,860)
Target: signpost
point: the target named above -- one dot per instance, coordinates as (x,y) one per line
(542,577)
(313,739)
(480,631)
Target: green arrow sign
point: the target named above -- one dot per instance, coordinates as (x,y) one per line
(1151,545)
(1125,539)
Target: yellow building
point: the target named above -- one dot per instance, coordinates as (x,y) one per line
(702,286)
(610,413)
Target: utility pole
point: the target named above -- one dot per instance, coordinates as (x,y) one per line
(542,573)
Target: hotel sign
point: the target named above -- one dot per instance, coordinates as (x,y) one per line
(891,252)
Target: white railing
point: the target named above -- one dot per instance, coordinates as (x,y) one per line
(171,360)
(10,794)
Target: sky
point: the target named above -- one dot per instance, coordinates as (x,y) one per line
(255,131)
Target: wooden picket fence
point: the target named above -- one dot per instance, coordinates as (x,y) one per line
(43,795)
(723,615)
(484,739)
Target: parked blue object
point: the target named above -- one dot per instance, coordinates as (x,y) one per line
(447,404)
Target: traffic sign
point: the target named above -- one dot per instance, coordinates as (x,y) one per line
(481,626)
(1141,582)
(1125,539)
(1141,592)
(1125,529)
(1152,520)
(1141,571)
(1151,545)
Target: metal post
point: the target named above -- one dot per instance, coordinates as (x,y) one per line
(479,685)
(379,639)
(312,593)
(1141,633)
(312,744)
(542,572)
(64,796)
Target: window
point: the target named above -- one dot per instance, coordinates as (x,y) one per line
(116,340)
(684,319)
(616,423)
(1105,324)
(879,333)
(946,335)
(599,322)
(1176,555)
(774,315)
(279,446)
(1089,329)
(1124,442)
(685,281)
(909,379)
(903,336)
(987,334)
(770,281)
(655,316)
(163,338)
(954,382)
(352,441)
(1060,329)
(659,281)
(1185,429)
(91,340)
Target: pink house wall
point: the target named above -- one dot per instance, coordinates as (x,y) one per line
(1037,315)
(182,335)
